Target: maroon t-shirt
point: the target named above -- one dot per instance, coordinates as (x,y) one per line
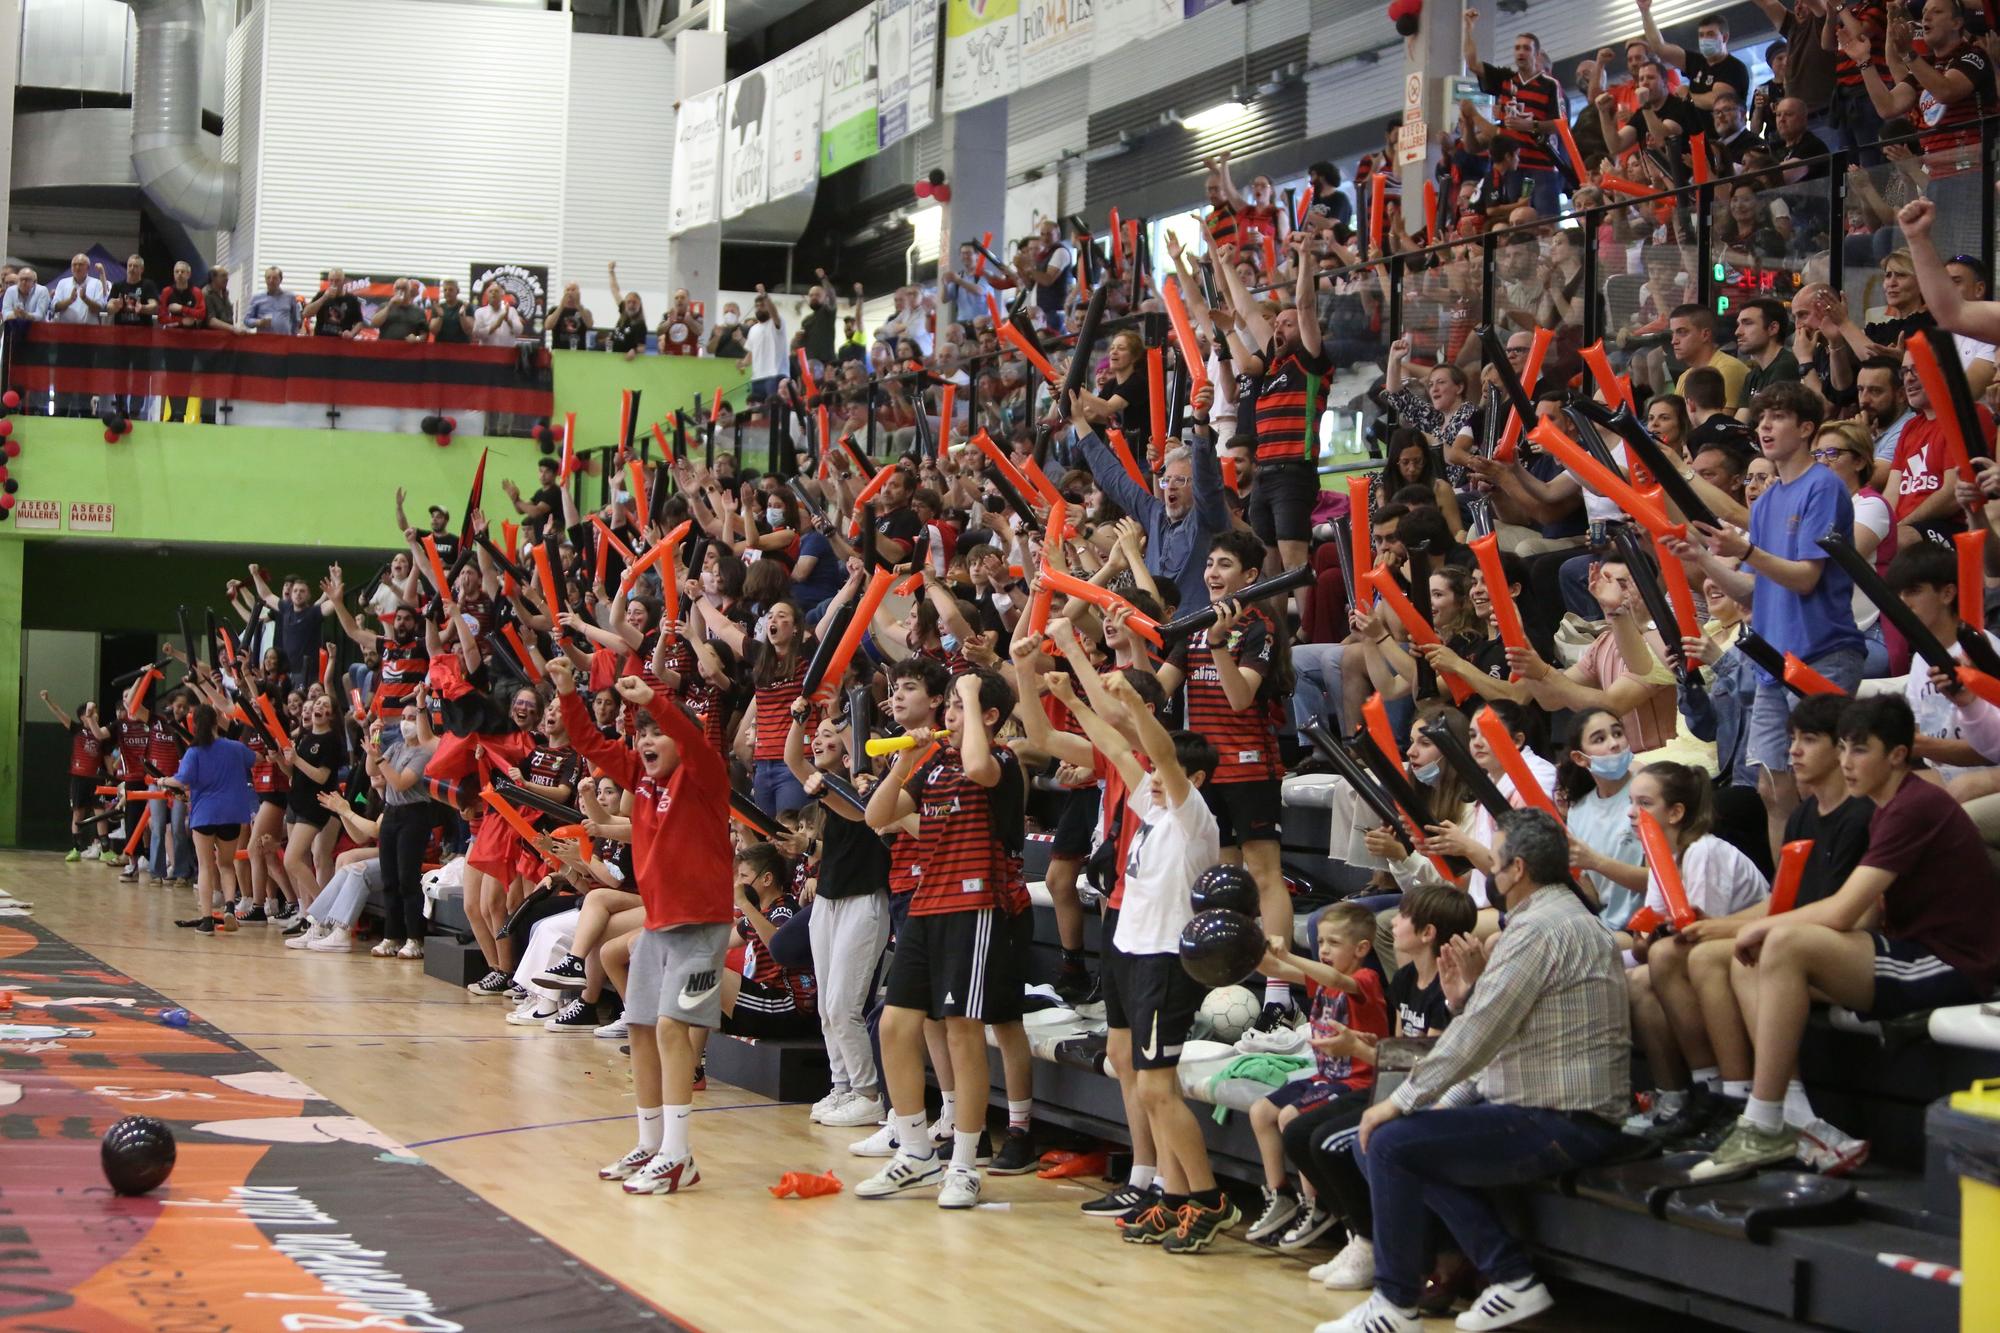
(1945,896)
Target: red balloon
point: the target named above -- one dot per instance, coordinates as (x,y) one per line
(10,400)
(6,502)
(6,428)
(3,475)
(923,189)
(450,425)
(110,435)
(12,448)
(443,440)
(942,194)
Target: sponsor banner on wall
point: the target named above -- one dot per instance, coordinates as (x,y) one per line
(526,287)
(794,89)
(982,51)
(906,52)
(697,169)
(1117,22)
(745,150)
(847,116)
(1055,36)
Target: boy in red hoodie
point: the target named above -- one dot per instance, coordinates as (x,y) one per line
(684,871)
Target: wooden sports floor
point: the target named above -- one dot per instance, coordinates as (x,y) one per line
(523,1118)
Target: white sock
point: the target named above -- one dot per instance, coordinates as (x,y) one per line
(913,1135)
(1277,992)
(1736,1089)
(964,1150)
(1798,1106)
(1020,1113)
(1708,1076)
(1766,1116)
(948,1110)
(1667,1102)
(1141,1177)
(674,1141)
(651,1121)
(840,1088)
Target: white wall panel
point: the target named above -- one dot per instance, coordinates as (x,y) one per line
(1047,120)
(449,153)
(1274,21)
(1189,48)
(242,139)
(617,164)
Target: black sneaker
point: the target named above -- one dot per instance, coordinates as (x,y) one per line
(1274,1015)
(566,975)
(576,1016)
(1117,1203)
(206,925)
(299,926)
(700,1076)
(1147,1198)
(255,914)
(1017,1155)
(1152,1226)
(495,982)
(195,923)
(1073,985)
(1197,1227)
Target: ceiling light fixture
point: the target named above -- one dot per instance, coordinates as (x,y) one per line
(1220,116)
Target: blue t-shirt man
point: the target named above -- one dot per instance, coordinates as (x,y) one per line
(1788,520)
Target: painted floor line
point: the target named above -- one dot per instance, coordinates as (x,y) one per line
(591,1120)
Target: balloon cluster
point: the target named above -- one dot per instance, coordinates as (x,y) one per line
(1224,941)
(933,186)
(1404,14)
(10,449)
(544,436)
(441,428)
(116,424)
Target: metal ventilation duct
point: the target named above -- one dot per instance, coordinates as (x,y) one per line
(175,167)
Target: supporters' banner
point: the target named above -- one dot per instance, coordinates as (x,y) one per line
(697,163)
(146,362)
(526,287)
(982,51)
(1117,22)
(906,45)
(847,117)
(375,291)
(794,90)
(1055,36)
(745,157)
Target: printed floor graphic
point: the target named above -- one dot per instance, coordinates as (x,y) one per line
(282,1212)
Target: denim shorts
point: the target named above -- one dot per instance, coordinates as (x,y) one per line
(1769,743)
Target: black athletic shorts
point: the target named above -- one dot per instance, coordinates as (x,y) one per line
(769,1013)
(1111,976)
(82,792)
(962,965)
(1077,825)
(276,798)
(1160,999)
(1909,978)
(1281,502)
(220,832)
(1245,811)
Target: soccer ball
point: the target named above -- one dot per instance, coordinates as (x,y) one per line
(1226,1013)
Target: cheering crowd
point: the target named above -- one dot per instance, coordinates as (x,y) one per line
(1646,682)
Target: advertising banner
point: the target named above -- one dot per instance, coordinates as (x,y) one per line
(793,86)
(697,163)
(982,51)
(746,148)
(1055,36)
(906,46)
(847,116)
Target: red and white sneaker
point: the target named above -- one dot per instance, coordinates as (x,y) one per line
(627,1166)
(1829,1150)
(660,1176)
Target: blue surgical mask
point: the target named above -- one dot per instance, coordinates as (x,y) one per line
(1713,48)
(1611,765)
(949,642)
(1428,773)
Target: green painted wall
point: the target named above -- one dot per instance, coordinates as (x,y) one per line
(588,384)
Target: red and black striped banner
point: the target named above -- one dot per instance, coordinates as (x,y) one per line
(265,368)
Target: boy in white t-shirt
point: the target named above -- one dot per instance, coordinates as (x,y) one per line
(1174,839)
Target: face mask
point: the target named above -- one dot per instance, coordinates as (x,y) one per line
(774,516)
(1712,47)
(1611,765)
(730,317)
(949,642)
(1428,773)
(409,730)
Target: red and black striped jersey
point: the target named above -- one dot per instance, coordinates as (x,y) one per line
(1247,739)
(1946,127)
(1290,399)
(759,966)
(163,747)
(1871,15)
(133,738)
(552,766)
(404,666)
(905,857)
(1223,225)
(774,708)
(1536,98)
(710,706)
(972,837)
(86,752)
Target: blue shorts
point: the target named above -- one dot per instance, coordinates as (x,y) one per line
(1304,1094)
(1768,743)
(1910,978)
(775,790)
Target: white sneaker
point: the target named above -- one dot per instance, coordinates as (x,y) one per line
(904,1172)
(383,949)
(856,1111)
(941,1132)
(615,1030)
(411,949)
(313,932)
(531,1014)
(1830,1150)
(1353,1269)
(961,1188)
(882,1143)
(1505,1304)
(624,1167)
(1375,1315)
(1279,1040)
(330,939)
(827,1103)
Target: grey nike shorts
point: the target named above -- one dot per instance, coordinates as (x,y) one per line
(676,973)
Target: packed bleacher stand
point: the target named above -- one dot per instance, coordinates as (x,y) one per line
(1699,367)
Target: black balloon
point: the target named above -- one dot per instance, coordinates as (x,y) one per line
(138,1154)
(1220,947)
(1226,886)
